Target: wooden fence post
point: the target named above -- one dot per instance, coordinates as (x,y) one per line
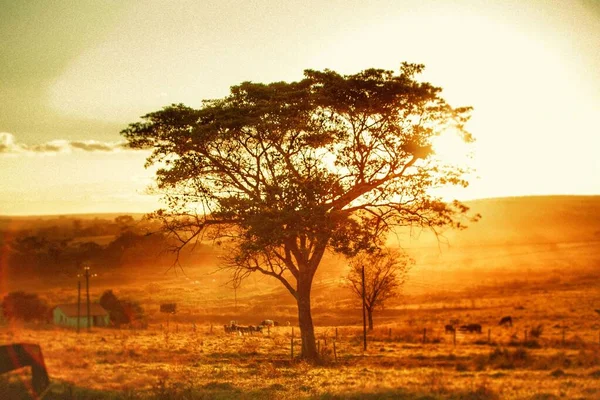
(292,344)
(390,332)
(424,335)
(454,336)
(334,352)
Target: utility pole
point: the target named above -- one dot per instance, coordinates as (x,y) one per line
(86,273)
(87,289)
(78,301)
(364,307)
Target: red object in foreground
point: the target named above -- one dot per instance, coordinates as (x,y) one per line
(20,355)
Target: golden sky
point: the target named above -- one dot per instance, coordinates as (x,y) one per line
(74,73)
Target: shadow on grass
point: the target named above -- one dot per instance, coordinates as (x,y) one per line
(17,390)
(14,389)
(481,393)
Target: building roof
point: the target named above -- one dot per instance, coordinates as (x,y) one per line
(70,310)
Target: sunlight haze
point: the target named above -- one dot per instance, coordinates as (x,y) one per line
(80,72)
(343,199)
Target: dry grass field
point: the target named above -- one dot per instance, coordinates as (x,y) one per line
(545,279)
(185,360)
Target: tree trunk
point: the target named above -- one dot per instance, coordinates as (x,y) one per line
(307,331)
(370,317)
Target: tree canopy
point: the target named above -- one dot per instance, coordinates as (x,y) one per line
(283,172)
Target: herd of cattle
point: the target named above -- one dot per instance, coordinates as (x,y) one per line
(474,328)
(234,327)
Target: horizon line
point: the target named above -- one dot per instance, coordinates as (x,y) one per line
(4,216)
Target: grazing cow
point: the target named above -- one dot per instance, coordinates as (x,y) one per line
(245,329)
(507,321)
(470,328)
(19,355)
(450,329)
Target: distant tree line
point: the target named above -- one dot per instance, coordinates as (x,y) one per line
(60,248)
(25,306)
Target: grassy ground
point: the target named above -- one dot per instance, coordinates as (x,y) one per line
(551,352)
(161,363)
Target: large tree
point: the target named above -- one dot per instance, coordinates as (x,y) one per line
(283,172)
(384,274)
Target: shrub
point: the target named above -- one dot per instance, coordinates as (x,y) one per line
(121,311)
(25,306)
(532,344)
(461,367)
(482,392)
(536,331)
(595,374)
(505,359)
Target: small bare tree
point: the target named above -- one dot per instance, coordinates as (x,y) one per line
(385,273)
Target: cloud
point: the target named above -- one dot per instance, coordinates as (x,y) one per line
(8,145)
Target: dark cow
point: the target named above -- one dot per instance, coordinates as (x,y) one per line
(233,327)
(506,321)
(245,329)
(470,328)
(450,329)
(19,355)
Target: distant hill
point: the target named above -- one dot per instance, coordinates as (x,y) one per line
(11,222)
(516,238)
(515,220)
(505,220)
